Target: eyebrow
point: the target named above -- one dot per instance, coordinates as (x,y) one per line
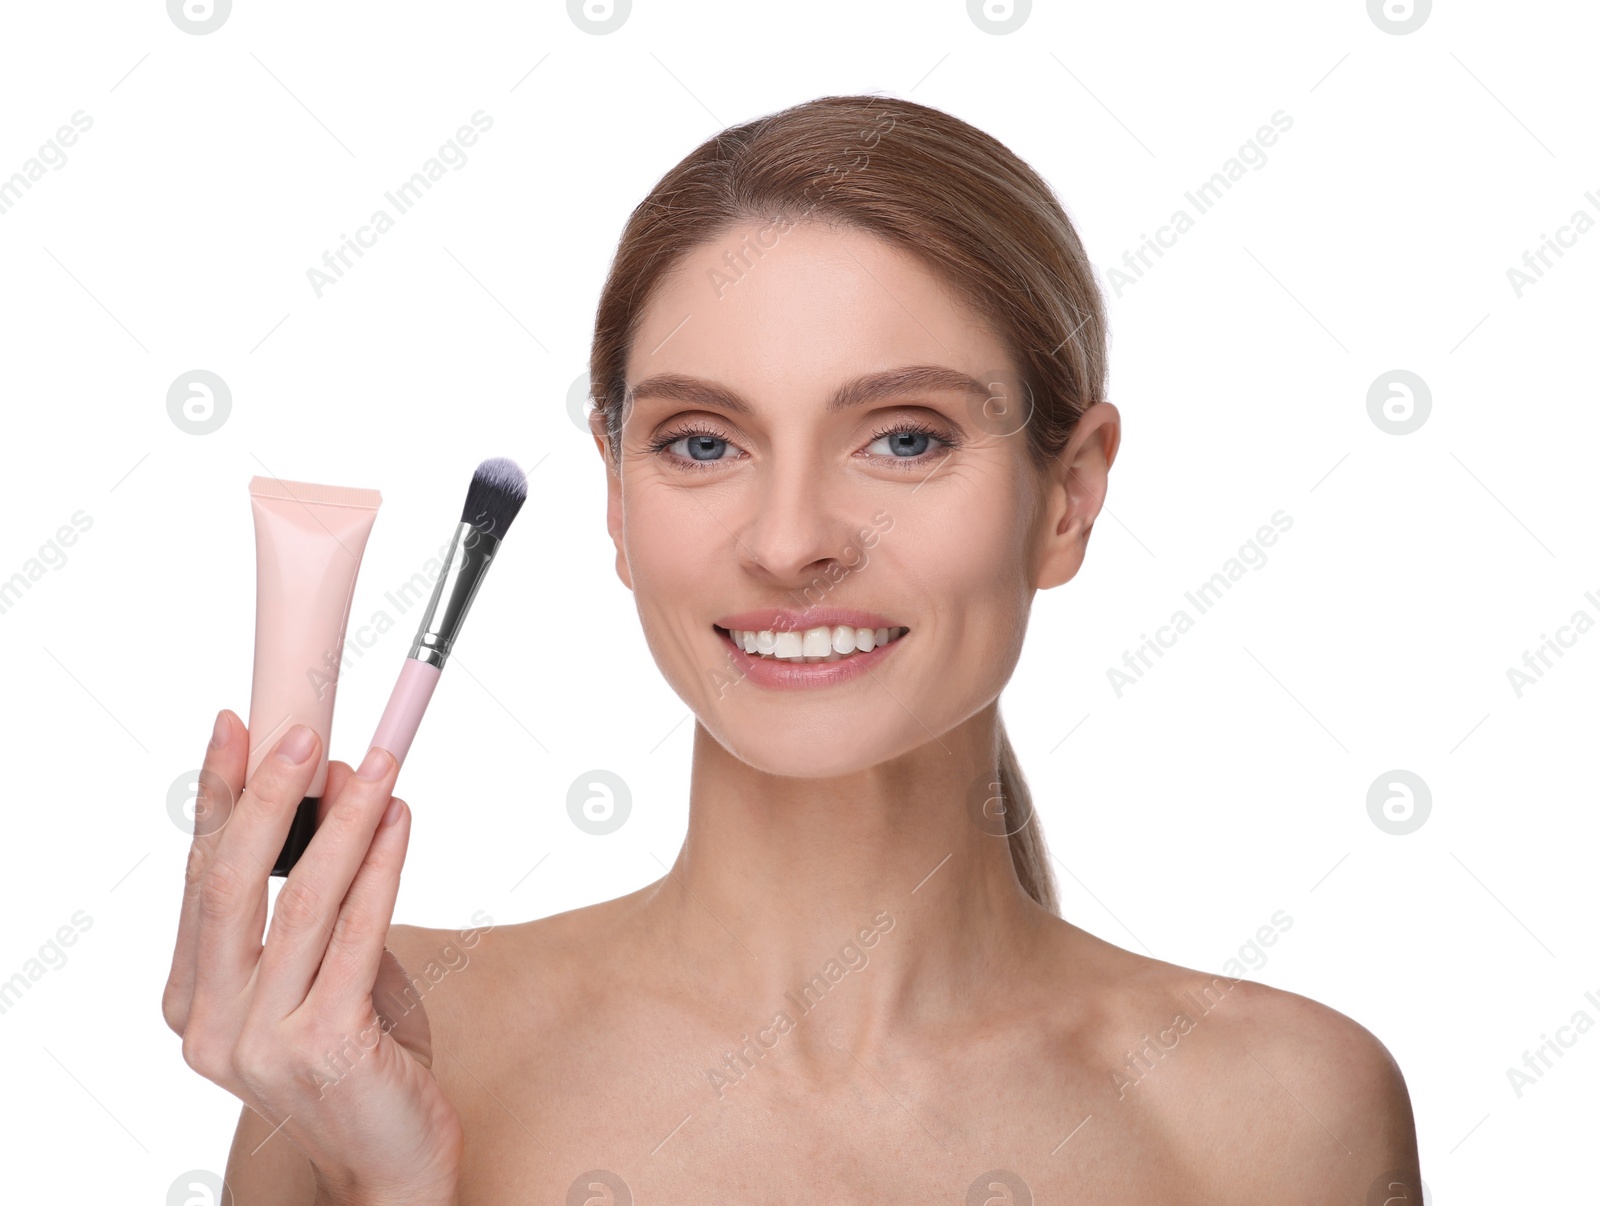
(911,379)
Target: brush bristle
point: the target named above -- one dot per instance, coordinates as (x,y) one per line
(499,488)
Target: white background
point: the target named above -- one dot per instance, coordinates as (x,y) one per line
(1230,782)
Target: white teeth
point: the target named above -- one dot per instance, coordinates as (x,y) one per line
(820,644)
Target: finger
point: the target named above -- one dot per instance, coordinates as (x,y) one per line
(349,971)
(221,779)
(338,772)
(302,928)
(397,996)
(234,884)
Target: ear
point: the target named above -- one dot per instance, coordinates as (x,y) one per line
(597,428)
(1075,490)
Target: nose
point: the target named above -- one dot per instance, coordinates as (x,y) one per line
(800,520)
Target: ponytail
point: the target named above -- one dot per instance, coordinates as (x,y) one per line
(1029,855)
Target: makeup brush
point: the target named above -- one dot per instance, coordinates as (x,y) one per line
(499,488)
(497,492)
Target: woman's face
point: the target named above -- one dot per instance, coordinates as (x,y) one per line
(912,505)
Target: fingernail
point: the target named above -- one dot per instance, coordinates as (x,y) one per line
(297,746)
(391,814)
(219,732)
(375,765)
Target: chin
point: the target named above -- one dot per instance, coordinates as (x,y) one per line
(841,744)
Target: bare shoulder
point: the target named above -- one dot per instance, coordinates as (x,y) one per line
(1314,1082)
(496,984)
(1260,1091)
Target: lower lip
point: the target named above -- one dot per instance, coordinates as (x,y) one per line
(771,672)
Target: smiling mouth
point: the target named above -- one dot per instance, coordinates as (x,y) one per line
(824,643)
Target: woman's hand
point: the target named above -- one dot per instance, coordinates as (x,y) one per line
(292,1028)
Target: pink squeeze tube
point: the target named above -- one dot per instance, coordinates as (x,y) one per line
(309,542)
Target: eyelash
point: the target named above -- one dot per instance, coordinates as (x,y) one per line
(662,442)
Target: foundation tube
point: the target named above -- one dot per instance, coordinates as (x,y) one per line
(309,542)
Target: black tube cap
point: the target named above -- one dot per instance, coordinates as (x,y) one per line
(300,831)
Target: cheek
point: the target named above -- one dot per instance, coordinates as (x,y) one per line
(670,538)
(964,559)
(664,549)
(676,553)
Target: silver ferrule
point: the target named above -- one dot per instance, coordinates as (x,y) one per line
(471,552)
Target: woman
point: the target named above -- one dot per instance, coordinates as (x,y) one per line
(848,369)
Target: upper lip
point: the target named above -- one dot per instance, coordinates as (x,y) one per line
(783,619)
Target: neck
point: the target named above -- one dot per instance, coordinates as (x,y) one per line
(875,896)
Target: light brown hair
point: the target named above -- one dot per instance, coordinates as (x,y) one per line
(931,184)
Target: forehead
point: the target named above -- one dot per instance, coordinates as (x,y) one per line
(803,309)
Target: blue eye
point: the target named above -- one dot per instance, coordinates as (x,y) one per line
(702,447)
(906,442)
(698,444)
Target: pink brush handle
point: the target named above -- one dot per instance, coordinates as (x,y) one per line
(407,703)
